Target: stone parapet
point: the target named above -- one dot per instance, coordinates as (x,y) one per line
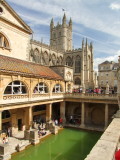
(106,146)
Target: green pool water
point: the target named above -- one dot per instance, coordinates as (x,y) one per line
(69,144)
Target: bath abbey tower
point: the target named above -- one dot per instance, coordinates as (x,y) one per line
(60,52)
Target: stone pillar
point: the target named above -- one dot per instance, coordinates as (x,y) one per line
(0,120)
(28,117)
(62,111)
(48,112)
(83,115)
(14,123)
(106,115)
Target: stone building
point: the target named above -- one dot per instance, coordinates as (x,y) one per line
(108,75)
(60,52)
(34,77)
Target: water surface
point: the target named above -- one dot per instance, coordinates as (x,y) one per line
(69,144)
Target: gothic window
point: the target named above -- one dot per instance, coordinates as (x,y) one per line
(15,87)
(53,59)
(46,58)
(69,61)
(4,42)
(36,56)
(78,65)
(77,81)
(5,114)
(60,60)
(57,88)
(54,35)
(41,88)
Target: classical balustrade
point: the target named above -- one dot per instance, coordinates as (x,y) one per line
(91,95)
(35,96)
(16,96)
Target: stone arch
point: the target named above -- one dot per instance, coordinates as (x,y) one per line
(41,87)
(6,42)
(36,55)
(69,61)
(97,116)
(46,58)
(60,60)
(6,114)
(57,88)
(77,64)
(77,81)
(16,87)
(53,59)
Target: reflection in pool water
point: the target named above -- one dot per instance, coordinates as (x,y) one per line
(69,144)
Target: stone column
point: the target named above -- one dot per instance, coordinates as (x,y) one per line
(0,120)
(83,115)
(28,117)
(14,123)
(106,115)
(48,112)
(62,111)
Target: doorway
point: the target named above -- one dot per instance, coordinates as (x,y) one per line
(19,124)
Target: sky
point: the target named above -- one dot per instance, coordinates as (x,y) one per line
(96,20)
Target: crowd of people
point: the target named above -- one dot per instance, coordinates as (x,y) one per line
(96,91)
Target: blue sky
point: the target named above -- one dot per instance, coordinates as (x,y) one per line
(98,20)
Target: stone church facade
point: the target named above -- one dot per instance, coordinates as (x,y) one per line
(60,52)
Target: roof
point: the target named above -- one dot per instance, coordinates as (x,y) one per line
(27,28)
(25,68)
(108,62)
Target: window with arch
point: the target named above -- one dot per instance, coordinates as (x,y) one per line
(41,88)
(69,61)
(78,64)
(15,87)
(1,10)
(36,56)
(60,60)
(46,58)
(57,88)
(53,59)
(5,114)
(4,42)
(77,81)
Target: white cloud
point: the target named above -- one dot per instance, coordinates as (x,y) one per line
(115,6)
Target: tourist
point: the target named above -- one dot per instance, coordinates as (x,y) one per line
(61,121)
(56,122)
(9,132)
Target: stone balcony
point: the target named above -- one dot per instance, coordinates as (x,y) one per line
(17,98)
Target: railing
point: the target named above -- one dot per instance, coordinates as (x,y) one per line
(91,95)
(17,96)
(108,143)
(35,96)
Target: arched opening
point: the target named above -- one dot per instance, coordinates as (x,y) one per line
(77,81)
(53,59)
(16,87)
(36,56)
(41,88)
(46,58)
(78,64)
(4,42)
(69,61)
(57,88)
(5,114)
